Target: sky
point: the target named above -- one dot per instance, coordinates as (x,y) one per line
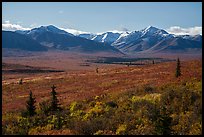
(96,17)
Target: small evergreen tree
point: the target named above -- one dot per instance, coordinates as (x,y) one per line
(163,122)
(178,68)
(54,101)
(97,70)
(58,122)
(30,105)
(153,62)
(130,63)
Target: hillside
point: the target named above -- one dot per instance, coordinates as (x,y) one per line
(13,40)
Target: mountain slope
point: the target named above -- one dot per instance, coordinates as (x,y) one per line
(106,37)
(177,45)
(14,40)
(87,35)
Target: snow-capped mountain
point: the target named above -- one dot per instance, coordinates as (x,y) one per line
(149,39)
(107,37)
(55,38)
(152,39)
(150,30)
(42,29)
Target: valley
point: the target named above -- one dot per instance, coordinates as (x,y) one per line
(129,77)
(78,83)
(102,68)
(76,79)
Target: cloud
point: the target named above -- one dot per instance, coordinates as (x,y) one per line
(124,29)
(12,27)
(73,31)
(120,29)
(185,31)
(7,21)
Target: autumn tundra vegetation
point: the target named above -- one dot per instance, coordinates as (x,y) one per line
(171,108)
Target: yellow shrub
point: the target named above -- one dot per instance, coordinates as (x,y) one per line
(40,130)
(104,132)
(196,129)
(122,129)
(149,97)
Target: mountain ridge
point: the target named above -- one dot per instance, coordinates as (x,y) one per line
(149,39)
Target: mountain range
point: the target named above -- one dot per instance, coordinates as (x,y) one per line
(147,40)
(150,40)
(50,37)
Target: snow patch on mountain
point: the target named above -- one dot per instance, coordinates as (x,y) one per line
(113,31)
(104,37)
(42,29)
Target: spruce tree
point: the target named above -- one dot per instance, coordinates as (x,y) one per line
(178,68)
(54,100)
(163,122)
(30,105)
(97,70)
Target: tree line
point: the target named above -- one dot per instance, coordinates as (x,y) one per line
(53,106)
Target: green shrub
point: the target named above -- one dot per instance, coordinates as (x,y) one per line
(148,88)
(45,106)
(56,121)
(10,130)
(112,104)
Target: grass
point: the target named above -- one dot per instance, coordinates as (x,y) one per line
(81,85)
(141,85)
